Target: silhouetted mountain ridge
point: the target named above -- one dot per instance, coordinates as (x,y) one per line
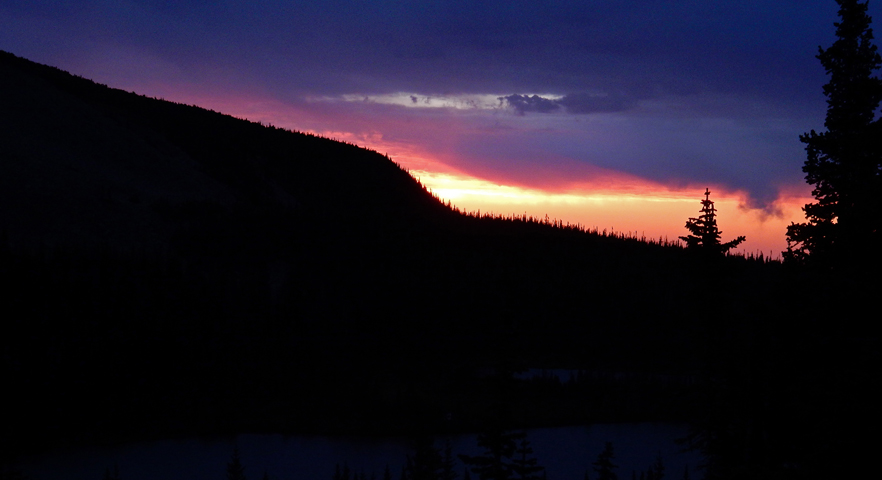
(90,163)
(174,270)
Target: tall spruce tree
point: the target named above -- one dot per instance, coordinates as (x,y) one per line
(604,466)
(844,163)
(524,465)
(704,235)
(235,470)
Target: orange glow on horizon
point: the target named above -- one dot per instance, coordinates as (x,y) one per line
(611,200)
(657,212)
(649,210)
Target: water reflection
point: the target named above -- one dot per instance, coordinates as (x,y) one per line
(565,452)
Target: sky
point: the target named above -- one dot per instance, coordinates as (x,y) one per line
(611,114)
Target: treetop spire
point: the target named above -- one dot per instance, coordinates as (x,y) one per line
(703,232)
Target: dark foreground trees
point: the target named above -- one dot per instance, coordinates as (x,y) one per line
(507,455)
(844,163)
(703,232)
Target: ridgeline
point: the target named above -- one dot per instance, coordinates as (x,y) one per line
(171,270)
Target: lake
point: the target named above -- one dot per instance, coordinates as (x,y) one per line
(566,453)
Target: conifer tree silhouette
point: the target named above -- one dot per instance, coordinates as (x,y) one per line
(496,461)
(703,232)
(844,163)
(426,463)
(524,465)
(604,466)
(112,474)
(235,470)
(448,463)
(657,468)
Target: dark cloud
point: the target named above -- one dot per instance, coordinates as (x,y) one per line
(535,103)
(575,103)
(733,84)
(339,46)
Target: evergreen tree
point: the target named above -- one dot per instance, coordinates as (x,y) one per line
(657,469)
(235,470)
(603,466)
(426,462)
(844,163)
(496,461)
(112,474)
(448,463)
(703,232)
(524,465)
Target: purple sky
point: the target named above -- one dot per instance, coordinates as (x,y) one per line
(677,93)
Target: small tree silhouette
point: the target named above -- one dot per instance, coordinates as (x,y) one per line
(108,473)
(235,470)
(448,463)
(496,462)
(426,463)
(524,465)
(604,466)
(704,234)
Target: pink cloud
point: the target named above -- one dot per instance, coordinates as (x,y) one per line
(434,148)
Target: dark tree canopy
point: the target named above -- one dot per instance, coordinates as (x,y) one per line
(703,232)
(843,163)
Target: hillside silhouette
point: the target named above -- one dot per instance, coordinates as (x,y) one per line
(171,270)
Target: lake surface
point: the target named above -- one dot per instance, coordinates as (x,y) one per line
(565,452)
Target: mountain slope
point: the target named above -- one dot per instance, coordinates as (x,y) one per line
(172,271)
(86,163)
(225,276)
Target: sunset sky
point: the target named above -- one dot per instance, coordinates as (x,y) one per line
(614,114)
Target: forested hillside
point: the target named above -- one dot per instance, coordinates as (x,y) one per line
(171,270)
